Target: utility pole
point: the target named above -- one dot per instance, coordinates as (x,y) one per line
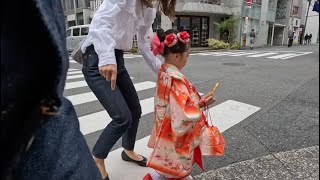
(305,23)
(75,12)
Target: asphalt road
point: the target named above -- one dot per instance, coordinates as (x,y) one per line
(284,84)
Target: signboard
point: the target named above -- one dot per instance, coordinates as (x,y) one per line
(248,3)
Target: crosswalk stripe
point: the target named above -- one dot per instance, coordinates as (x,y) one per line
(75,76)
(89,97)
(76,84)
(244,54)
(71,69)
(296,55)
(282,56)
(74,72)
(263,54)
(224,115)
(98,121)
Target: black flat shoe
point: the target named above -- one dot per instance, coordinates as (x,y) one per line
(142,163)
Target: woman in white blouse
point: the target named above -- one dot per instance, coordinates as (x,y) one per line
(111,31)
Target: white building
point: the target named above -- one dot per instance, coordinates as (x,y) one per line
(313,24)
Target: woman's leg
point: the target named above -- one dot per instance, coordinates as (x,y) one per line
(112,101)
(130,95)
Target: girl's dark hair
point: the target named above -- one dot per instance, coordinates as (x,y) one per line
(178,48)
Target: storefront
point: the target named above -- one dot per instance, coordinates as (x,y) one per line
(196,26)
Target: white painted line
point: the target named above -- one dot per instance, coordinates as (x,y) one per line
(74,72)
(261,55)
(244,54)
(282,56)
(229,113)
(145,85)
(296,55)
(89,97)
(75,76)
(71,69)
(98,121)
(129,56)
(76,84)
(224,115)
(203,54)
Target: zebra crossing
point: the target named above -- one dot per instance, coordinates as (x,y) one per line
(255,54)
(126,56)
(224,116)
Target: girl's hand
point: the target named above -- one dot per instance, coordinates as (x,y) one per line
(206,100)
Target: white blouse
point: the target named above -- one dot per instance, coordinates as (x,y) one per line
(114,26)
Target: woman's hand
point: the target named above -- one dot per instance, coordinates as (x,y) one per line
(206,100)
(110,73)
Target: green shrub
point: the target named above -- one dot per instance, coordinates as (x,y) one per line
(216,44)
(134,50)
(235,45)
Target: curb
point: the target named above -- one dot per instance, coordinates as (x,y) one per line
(294,164)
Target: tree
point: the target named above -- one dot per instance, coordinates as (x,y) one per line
(229,26)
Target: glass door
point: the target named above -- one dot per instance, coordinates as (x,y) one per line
(196,29)
(204,31)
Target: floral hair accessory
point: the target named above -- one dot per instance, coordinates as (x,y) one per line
(157,47)
(184,37)
(171,40)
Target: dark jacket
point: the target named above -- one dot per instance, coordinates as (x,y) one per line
(34,64)
(252,34)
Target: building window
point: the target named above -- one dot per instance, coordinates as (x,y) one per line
(77,3)
(80,18)
(87,3)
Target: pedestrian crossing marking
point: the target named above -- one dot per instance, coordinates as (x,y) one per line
(89,96)
(263,54)
(71,69)
(282,56)
(77,84)
(81,76)
(75,76)
(74,72)
(252,54)
(224,116)
(98,121)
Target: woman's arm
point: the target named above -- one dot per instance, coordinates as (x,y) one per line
(144,38)
(100,31)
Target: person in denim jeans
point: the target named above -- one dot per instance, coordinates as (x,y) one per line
(40,133)
(111,31)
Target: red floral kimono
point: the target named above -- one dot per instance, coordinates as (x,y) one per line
(178,124)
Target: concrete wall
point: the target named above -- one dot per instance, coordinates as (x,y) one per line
(262,36)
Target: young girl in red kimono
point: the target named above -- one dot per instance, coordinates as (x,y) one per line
(179,120)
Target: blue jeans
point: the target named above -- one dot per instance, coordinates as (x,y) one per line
(59,150)
(122,104)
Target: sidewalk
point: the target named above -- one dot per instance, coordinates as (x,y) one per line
(295,164)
